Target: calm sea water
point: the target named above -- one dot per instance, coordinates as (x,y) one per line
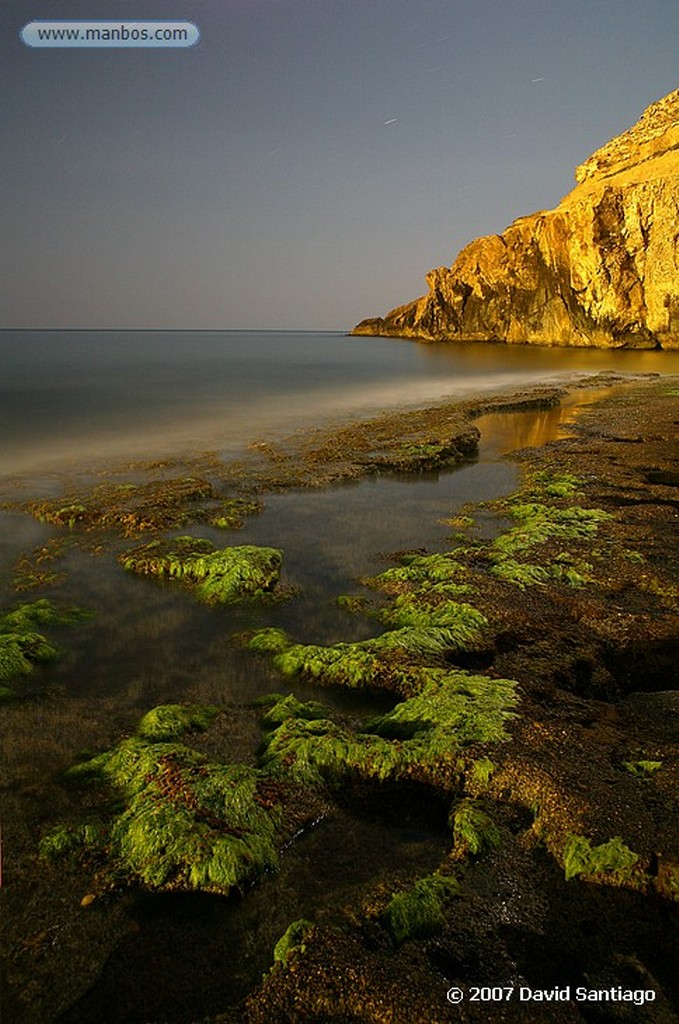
(72,396)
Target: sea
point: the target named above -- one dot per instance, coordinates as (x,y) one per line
(68,397)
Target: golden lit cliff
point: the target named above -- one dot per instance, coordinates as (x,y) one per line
(602,269)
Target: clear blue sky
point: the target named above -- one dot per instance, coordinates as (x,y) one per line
(308,161)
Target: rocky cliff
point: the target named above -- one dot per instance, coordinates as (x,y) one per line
(602,269)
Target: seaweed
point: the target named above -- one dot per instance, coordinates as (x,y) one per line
(421,734)
(612,859)
(186,822)
(20,651)
(129,508)
(169,721)
(545,483)
(521,574)
(374,663)
(233,512)
(453,706)
(421,573)
(196,826)
(29,571)
(40,613)
(464,624)
(66,839)
(397,661)
(293,938)
(220,576)
(480,774)
(280,708)
(420,911)
(642,769)
(473,830)
(21,646)
(539,523)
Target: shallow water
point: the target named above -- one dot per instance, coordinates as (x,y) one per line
(150,642)
(73,397)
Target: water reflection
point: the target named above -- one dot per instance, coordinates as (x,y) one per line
(503,432)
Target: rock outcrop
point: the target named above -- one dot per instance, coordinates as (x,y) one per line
(600,270)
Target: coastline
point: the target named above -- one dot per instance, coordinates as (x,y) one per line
(589,662)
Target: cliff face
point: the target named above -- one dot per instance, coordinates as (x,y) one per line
(602,269)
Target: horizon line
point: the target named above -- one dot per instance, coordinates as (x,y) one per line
(179,330)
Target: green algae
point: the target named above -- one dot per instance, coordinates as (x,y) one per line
(464,624)
(196,826)
(480,774)
(40,613)
(612,858)
(218,576)
(420,912)
(169,721)
(453,705)
(425,732)
(269,641)
(422,573)
(67,839)
(642,769)
(538,523)
(186,822)
(563,569)
(545,483)
(316,752)
(233,512)
(293,938)
(474,831)
(280,708)
(19,652)
(394,661)
(375,663)
(21,646)
(521,574)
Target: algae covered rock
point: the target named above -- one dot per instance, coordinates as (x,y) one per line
(21,645)
(396,661)
(217,575)
(169,721)
(292,938)
(186,822)
(422,737)
(419,912)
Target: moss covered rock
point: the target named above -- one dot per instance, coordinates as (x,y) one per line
(217,575)
(21,645)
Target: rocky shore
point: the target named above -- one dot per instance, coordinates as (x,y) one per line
(527,678)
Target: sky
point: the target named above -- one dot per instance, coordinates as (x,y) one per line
(308,161)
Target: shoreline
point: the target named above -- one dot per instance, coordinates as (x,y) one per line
(578,654)
(261,460)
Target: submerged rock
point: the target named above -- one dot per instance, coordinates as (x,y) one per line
(600,270)
(219,575)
